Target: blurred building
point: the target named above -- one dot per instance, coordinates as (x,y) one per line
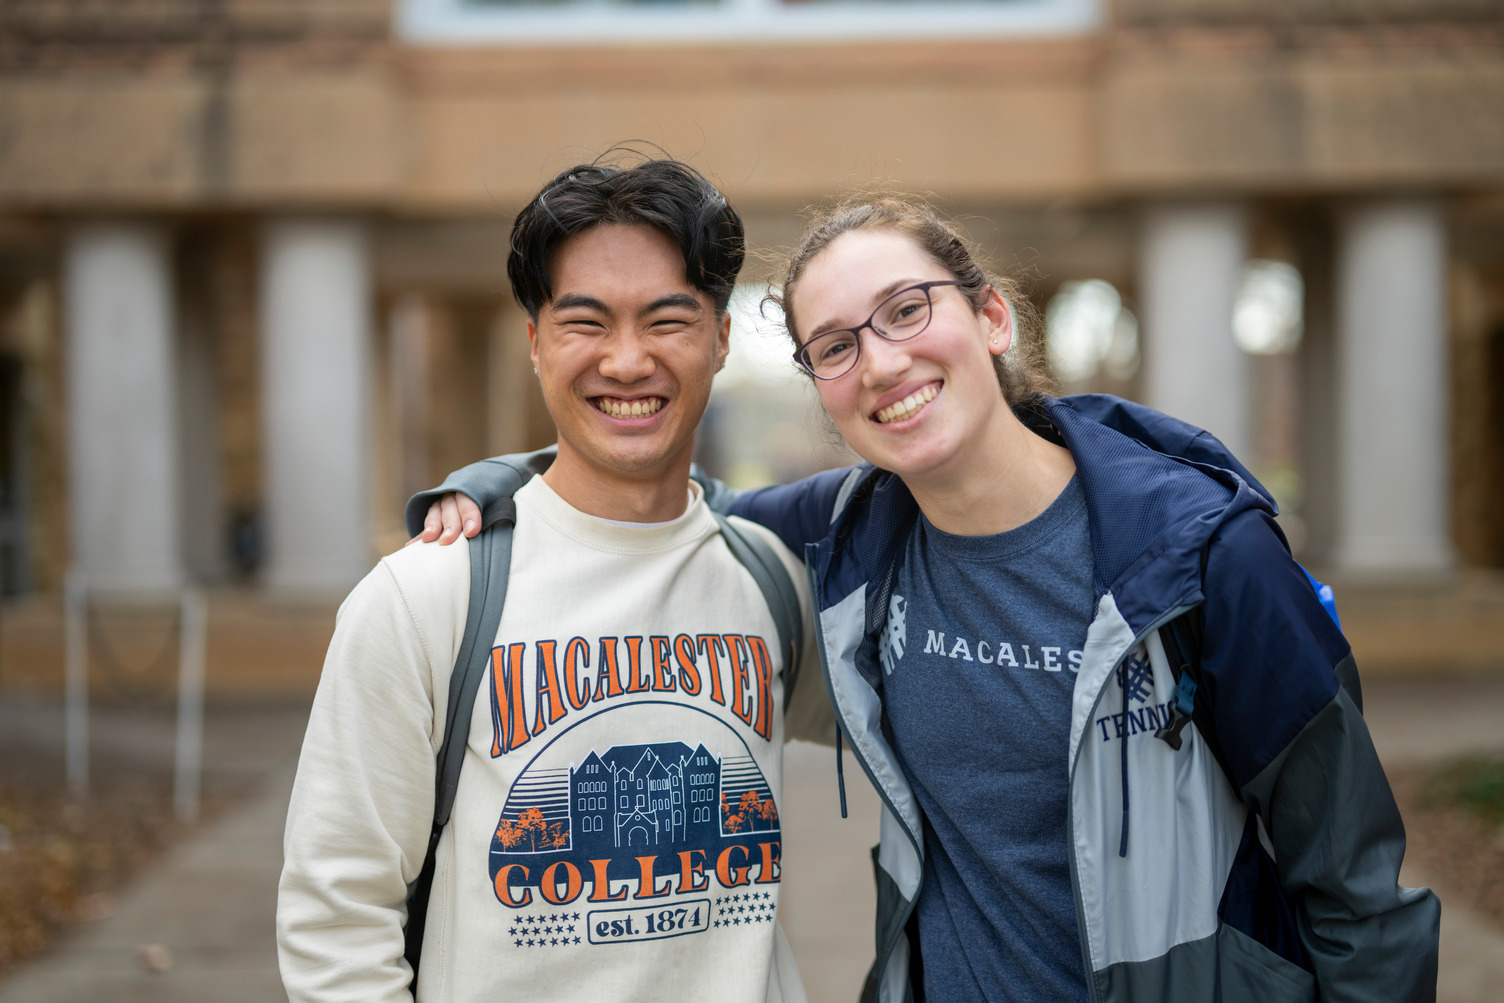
(251,251)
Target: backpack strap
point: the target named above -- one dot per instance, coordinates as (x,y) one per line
(490,567)
(772,578)
(1182,641)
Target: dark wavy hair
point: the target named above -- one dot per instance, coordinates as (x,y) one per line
(671,197)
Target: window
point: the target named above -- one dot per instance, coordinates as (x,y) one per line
(590,22)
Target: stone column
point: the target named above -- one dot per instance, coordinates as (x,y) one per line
(1391,376)
(123,464)
(1190,263)
(315,347)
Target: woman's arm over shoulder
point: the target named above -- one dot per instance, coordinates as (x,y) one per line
(801,512)
(1299,751)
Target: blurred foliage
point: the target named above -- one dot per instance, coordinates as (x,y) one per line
(61,860)
(1476,784)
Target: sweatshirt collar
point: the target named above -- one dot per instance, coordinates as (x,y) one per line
(613,537)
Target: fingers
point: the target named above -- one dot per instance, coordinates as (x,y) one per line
(469,514)
(447,518)
(431,524)
(449,515)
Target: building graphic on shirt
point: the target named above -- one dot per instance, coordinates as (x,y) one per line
(674,805)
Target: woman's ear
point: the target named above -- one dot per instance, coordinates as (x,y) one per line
(997,317)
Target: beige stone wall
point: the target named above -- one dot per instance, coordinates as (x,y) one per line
(261,107)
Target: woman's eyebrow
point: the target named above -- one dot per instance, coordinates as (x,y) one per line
(877,298)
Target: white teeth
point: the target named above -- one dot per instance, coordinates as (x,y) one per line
(629,409)
(907,407)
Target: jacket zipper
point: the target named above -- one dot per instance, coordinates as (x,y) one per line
(888,806)
(1070,801)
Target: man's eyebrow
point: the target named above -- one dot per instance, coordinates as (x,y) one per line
(570,301)
(672,299)
(877,299)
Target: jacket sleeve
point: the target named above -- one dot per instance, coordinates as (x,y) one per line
(1300,754)
(801,512)
(486,482)
(362,803)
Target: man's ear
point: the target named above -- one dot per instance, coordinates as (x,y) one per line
(997,317)
(723,340)
(532,342)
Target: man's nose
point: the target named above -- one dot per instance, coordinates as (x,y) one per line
(626,359)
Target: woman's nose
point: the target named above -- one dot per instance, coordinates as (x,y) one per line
(882,361)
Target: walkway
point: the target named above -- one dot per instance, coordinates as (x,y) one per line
(210,901)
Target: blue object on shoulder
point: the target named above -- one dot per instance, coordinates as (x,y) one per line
(1327,597)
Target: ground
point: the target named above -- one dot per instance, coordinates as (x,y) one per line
(1457,841)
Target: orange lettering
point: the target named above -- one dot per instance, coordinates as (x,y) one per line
(731,876)
(741,704)
(762,661)
(645,887)
(548,686)
(607,680)
(549,886)
(662,679)
(508,717)
(689,673)
(504,886)
(772,864)
(708,643)
(690,869)
(601,890)
(636,681)
(576,654)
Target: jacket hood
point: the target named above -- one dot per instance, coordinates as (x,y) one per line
(1156,489)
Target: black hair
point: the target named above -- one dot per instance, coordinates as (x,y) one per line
(671,197)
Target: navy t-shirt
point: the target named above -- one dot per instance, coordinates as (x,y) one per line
(980,660)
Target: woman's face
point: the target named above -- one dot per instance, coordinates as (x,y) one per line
(920,407)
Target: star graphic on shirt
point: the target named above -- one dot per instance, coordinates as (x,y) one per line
(530,942)
(555,942)
(519,943)
(576,916)
(577,940)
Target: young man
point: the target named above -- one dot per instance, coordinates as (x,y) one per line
(615,835)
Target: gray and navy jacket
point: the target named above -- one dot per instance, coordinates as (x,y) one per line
(1272,879)
(1276,880)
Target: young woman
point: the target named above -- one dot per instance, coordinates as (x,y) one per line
(995,588)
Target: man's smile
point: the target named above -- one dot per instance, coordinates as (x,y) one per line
(639,407)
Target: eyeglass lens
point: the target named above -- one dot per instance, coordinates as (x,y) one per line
(900,317)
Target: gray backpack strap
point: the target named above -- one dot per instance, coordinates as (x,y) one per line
(778,592)
(490,567)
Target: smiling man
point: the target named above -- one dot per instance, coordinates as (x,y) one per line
(615,835)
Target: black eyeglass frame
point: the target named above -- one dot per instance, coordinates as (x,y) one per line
(801,354)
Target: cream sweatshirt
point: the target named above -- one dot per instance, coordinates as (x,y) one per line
(616,833)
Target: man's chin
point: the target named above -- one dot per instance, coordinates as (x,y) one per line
(635,460)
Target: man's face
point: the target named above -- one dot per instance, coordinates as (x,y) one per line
(625,352)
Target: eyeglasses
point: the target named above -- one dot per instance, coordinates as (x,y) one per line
(902,316)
